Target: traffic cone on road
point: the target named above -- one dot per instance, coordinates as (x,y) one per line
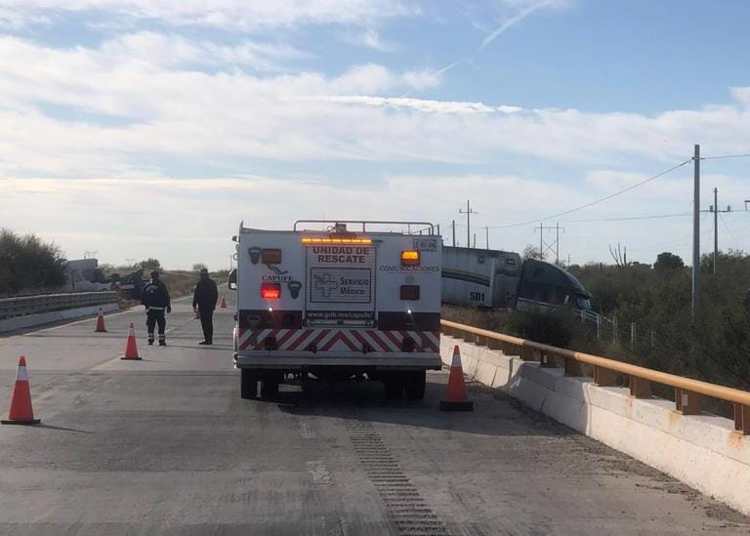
(100,327)
(21,411)
(456,399)
(223,303)
(131,350)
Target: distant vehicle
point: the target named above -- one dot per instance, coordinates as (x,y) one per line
(547,286)
(337,304)
(132,284)
(501,279)
(480,277)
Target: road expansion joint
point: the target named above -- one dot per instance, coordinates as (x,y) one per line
(407,511)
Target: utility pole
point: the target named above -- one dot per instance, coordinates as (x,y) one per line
(715,209)
(468,213)
(716,226)
(543,247)
(696,230)
(557,243)
(541,242)
(453,227)
(475,241)
(487,237)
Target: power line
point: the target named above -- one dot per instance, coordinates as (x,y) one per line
(633,218)
(723,156)
(726,227)
(597,201)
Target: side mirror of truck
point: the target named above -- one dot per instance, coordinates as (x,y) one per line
(232,283)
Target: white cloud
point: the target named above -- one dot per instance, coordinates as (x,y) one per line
(58,103)
(421,105)
(198,216)
(109,215)
(369,38)
(244,15)
(164,106)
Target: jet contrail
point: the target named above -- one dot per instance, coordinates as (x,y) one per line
(512,21)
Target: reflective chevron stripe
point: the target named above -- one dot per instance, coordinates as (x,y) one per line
(326,340)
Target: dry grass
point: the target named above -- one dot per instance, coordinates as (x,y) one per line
(490,319)
(180,283)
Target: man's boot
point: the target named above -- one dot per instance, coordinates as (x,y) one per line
(150,339)
(162,340)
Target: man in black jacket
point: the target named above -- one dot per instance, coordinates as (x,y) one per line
(155,297)
(204,301)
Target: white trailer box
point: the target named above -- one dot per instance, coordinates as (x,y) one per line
(480,277)
(337,303)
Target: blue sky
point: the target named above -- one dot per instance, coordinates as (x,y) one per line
(141,128)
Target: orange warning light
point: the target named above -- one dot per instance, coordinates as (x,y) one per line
(410,257)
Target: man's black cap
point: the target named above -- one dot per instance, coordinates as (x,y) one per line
(155,273)
(204,270)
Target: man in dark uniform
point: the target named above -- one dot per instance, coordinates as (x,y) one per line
(204,301)
(155,297)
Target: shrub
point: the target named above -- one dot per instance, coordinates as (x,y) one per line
(27,263)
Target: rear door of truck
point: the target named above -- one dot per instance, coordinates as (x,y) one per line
(340,282)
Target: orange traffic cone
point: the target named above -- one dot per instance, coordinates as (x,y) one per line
(21,411)
(456,399)
(100,327)
(223,303)
(131,350)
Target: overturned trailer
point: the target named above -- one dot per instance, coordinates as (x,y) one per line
(501,279)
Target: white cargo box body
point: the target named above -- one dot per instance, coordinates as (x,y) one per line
(320,298)
(480,277)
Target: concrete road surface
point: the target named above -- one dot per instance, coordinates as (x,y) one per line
(166,446)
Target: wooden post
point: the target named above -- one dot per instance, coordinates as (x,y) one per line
(686,402)
(742,418)
(598,327)
(545,360)
(640,388)
(605,377)
(573,368)
(614,329)
(494,344)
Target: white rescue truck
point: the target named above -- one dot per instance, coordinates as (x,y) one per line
(338,303)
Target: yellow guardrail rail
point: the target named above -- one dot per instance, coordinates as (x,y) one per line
(605,372)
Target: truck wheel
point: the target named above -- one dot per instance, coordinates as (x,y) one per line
(415,384)
(394,385)
(248,384)
(269,387)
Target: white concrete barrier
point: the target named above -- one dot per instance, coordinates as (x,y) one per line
(40,319)
(703,451)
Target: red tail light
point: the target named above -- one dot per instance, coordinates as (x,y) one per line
(270,291)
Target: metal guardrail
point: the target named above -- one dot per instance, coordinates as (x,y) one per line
(29,305)
(688,391)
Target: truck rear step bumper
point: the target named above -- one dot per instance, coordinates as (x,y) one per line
(381,360)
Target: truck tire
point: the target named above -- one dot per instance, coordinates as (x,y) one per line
(248,384)
(269,385)
(415,384)
(394,385)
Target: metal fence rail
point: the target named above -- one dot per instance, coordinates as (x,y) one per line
(688,391)
(29,305)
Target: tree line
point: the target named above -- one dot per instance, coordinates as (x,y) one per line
(656,299)
(29,264)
